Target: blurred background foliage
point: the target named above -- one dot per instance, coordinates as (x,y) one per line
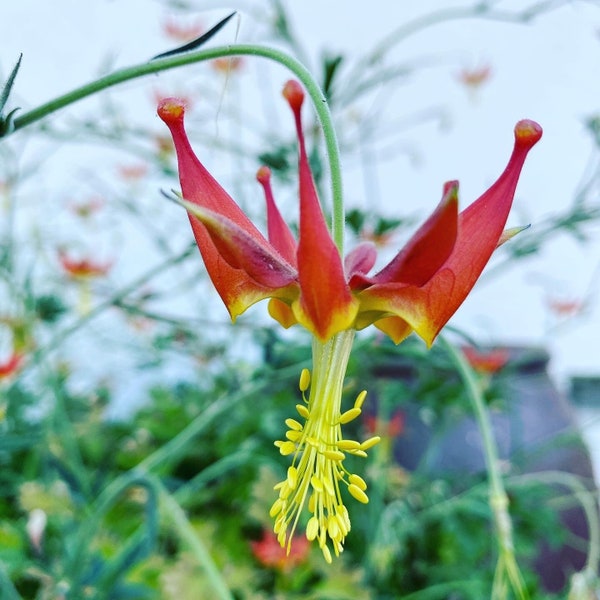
(132,415)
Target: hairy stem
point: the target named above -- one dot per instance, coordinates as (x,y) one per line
(155,66)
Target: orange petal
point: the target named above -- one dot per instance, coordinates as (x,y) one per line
(394,327)
(429,247)
(428,308)
(280,235)
(237,290)
(242,251)
(326,305)
(282,313)
(360,260)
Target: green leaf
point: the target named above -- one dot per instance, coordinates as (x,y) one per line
(8,85)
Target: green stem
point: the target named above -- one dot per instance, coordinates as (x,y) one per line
(172,62)
(190,538)
(588,502)
(498,499)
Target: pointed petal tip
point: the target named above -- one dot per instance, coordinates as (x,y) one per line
(450,189)
(508,234)
(527,133)
(171,110)
(294,94)
(263,175)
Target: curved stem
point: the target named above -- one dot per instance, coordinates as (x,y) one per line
(190,538)
(172,62)
(507,566)
(588,501)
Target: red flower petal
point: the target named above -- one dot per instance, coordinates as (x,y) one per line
(280,235)
(326,305)
(428,308)
(243,251)
(426,251)
(360,260)
(237,290)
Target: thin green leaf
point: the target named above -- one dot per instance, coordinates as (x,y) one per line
(8,85)
(197,42)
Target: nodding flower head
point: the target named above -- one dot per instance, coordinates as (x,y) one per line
(308,283)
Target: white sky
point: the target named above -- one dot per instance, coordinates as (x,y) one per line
(548,71)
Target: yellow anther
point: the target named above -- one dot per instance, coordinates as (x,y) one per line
(293,424)
(343,513)
(286,448)
(292,477)
(348,445)
(304,380)
(316,483)
(278,525)
(326,554)
(372,441)
(333,529)
(329,487)
(342,524)
(312,501)
(349,415)
(358,494)
(292,435)
(285,490)
(360,453)
(312,528)
(358,481)
(334,455)
(281,537)
(360,399)
(302,411)
(276,508)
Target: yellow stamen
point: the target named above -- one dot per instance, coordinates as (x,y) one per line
(360,399)
(302,410)
(319,450)
(304,380)
(358,493)
(349,415)
(372,441)
(293,424)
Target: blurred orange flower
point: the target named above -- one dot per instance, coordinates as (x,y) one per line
(87,208)
(83,268)
(180,31)
(473,78)
(270,554)
(11,365)
(386,428)
(132,172)
(565,308)
(486,361)
(227,64)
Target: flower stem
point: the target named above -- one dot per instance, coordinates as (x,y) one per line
(507,566)
(190,538)
(180,60)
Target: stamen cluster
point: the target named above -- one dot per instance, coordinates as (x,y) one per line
(317,470)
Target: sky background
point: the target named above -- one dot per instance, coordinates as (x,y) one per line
(548,70)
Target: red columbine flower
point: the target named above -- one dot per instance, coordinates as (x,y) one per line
(308,283)
(82,268)
(183,32)
(11,365)
(270,554)
(475,77)
(487,361)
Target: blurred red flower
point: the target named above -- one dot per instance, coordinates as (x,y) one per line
(270,554)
